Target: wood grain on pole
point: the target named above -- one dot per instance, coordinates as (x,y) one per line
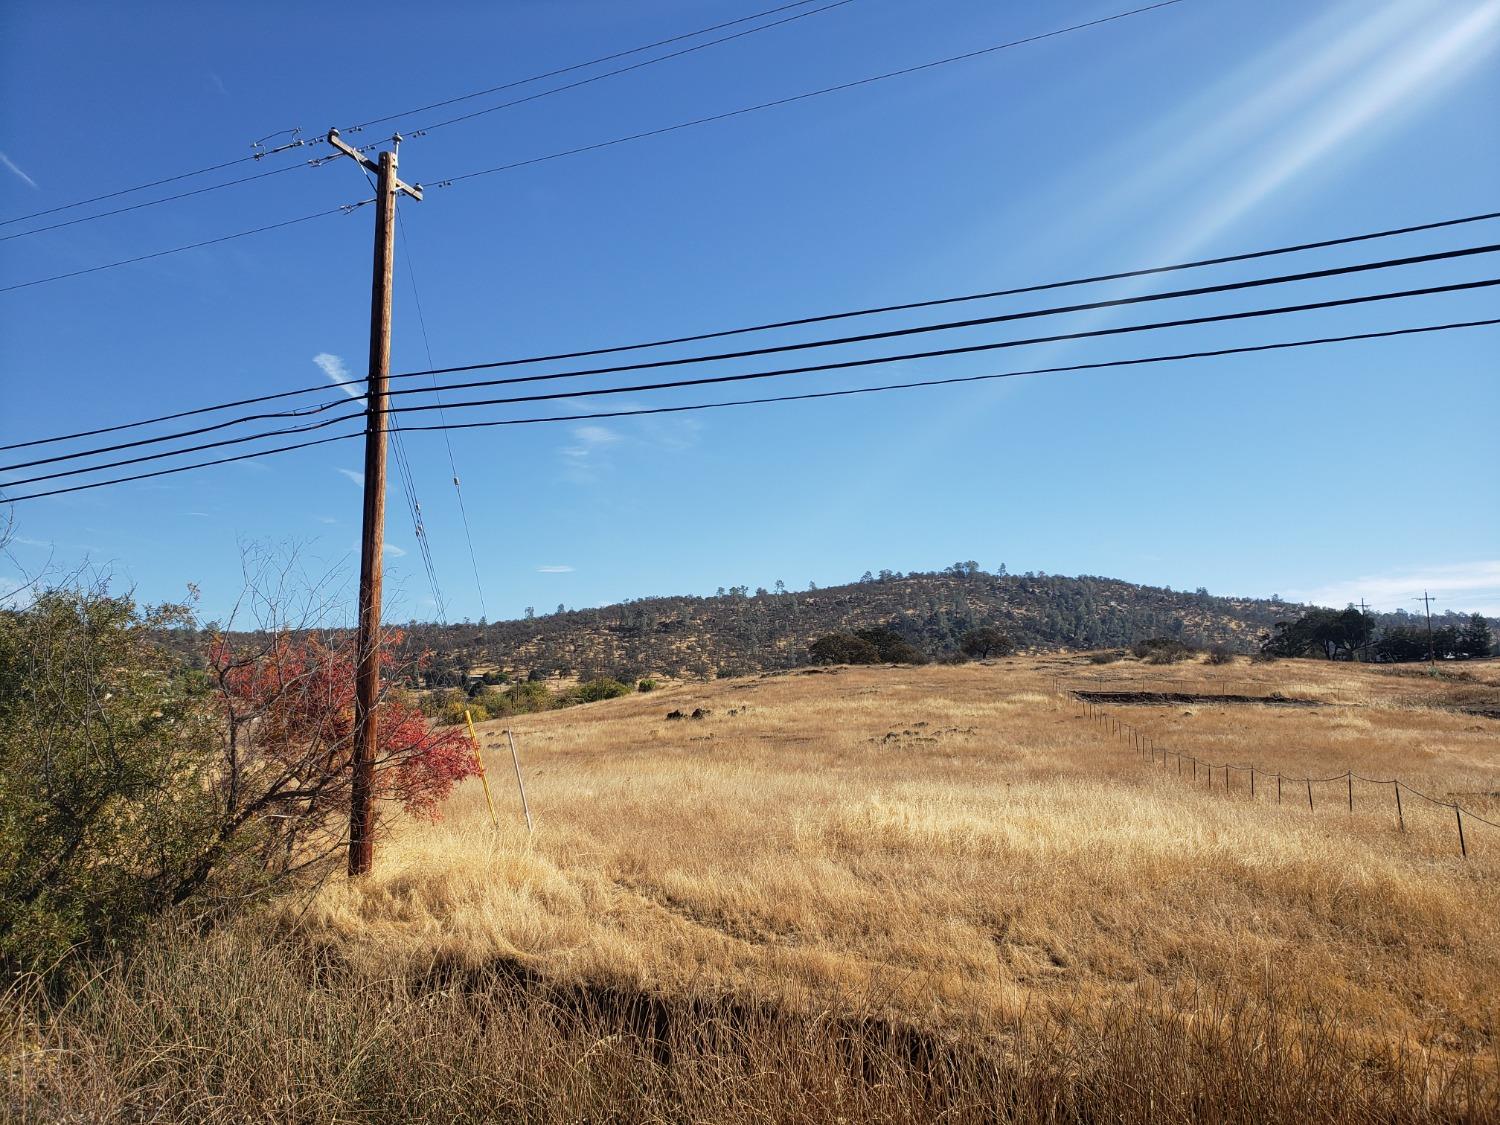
(372,538)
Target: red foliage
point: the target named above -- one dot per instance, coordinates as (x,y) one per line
(298,695)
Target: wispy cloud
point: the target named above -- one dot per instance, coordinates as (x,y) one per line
(554,570)
(217,83)
(581,461)
(330,519)
(357,477)
(394,551)
(20,175)
(1464,587)
(333,366)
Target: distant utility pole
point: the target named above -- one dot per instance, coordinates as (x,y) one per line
(1426,600)
(372,535)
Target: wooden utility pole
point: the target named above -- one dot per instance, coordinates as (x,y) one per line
(372,534)
(1426,600)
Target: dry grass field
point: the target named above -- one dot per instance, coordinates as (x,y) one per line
(1014,914)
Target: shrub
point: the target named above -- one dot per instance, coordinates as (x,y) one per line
(1220,654)
(1162,650)
(592,691)
(646,685)
(129,787)
(1107,657)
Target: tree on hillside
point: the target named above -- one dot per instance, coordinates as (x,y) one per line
(1476,639)
(1335,633)
(891,646)
(843,648)
(985,642)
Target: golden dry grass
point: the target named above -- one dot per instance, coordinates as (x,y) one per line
(956,845)
(880,894)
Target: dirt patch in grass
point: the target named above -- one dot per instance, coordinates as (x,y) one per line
(1156,698)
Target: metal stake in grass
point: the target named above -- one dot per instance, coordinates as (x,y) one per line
(1400,816)
(516,760)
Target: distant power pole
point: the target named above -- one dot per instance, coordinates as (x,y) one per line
(372,535)
(1426,600)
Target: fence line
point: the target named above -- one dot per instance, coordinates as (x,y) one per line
(1145,745)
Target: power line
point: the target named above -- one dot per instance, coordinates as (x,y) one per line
(343,210)
(451,180)
(968,348)
(299,142)
(637,412)
(1000,318)
(432,128)
(782,398)
(411,276)
(154,202)
(802,321)
(577,66)
(1215,318)
(139,187)
(316,161)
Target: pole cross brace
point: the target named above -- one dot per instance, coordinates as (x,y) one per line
(413,190)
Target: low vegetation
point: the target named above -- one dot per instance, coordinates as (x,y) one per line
(912,891)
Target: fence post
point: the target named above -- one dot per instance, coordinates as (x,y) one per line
(1278,788)
(1252,783)
(1309,795)
(1400,816)
(1349,776)
(1462,847)
(521,785)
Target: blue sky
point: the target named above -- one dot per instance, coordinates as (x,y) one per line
(1205,128)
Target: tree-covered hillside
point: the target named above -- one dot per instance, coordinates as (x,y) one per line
(740,631)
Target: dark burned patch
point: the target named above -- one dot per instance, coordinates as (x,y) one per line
(1150,698)
(1481,712)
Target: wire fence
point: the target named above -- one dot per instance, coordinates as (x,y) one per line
(1191,766)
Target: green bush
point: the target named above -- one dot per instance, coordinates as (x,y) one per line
(646,685)
(1162,650)
(592,691)
(106,760)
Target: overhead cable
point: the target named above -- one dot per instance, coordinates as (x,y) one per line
(1243,349)
(798,322)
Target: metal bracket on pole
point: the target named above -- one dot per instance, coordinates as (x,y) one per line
(413,190)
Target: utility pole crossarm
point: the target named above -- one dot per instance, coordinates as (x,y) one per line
(413,190)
